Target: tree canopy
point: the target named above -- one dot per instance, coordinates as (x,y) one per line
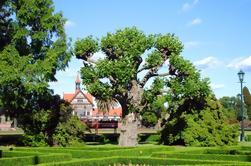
(142,72)
(33,47)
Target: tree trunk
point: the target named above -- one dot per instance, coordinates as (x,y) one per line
(128,134)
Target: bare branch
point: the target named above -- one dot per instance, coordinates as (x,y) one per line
(143,68)
(163,74)
(153,71)
(112,80)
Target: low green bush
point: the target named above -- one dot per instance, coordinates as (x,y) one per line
(33,158)
(137,160)
(18,154)
(248,138)
(220,157)
(54,157)
(17,161)
(140,151)
(149,138)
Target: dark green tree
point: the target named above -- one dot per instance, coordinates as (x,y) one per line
(247,101)
(33,46)
(192,103)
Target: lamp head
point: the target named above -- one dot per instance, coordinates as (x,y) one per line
(241,75)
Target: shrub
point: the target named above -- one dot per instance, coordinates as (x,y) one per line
(202,126)
(216,157)
(70,132)
(32,158)
(137,160)
(140,151)
(17,161)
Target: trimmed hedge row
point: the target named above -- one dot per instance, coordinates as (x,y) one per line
(140,151)
(19,154)
(138,160)
(33,159)
(227,151)
(220,157)
(18,161)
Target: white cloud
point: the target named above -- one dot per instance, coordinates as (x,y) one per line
(217,86)
(188,6)
(195,21)
(191,44)
(69,24)
(207,62)
(241,63)
(98,55)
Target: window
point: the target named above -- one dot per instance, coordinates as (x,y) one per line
(80,100)
(88,113)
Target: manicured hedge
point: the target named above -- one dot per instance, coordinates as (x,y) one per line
(54,157)
(137,160)
(18,154)
(17,161)
(227,151)
(33,159)
(244,158)
(140,151)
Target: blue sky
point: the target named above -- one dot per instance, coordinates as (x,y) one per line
(216,34)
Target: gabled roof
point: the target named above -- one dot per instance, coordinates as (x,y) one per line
(70,96)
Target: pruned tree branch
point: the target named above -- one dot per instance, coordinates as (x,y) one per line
(143,68)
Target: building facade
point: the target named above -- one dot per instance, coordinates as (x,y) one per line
(84,106)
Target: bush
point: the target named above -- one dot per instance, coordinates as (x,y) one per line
(70,133)
(203,126)
(18,161)
(137,160)
(216,157)
(149,138)
(19,154)
(32,158)
(248,138)
(140,151)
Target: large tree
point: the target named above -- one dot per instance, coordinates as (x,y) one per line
(33,46)
(132,63)
(132,60)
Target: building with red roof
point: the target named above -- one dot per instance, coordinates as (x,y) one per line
(84,105)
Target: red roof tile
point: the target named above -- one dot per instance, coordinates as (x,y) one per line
(68,96)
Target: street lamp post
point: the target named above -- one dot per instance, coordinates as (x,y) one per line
(241,78)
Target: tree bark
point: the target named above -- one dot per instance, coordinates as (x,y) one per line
(129,134)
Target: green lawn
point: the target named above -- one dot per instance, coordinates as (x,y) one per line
(112,154)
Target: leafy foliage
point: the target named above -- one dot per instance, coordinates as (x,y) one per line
(247,100)
(203,127)
(33,46)
(70,133)
(154,101)
(231,107)
(131,59)
(193,111)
